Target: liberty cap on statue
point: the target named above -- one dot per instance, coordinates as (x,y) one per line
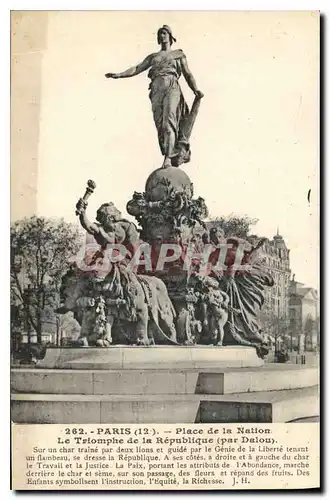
(169,31)
(171,114)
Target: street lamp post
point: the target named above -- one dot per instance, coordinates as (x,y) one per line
(27,297)
(58,330)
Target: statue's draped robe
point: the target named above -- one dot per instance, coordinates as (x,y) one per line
(168,105)
(246,290)
(246,297)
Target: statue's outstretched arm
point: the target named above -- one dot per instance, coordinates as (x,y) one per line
(90,227)
(189,77)
(133,71)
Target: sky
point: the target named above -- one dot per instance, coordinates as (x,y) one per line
(255,142)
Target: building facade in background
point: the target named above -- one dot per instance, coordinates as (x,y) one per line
(291,309)
(277,262)
(304,315)
(275,258)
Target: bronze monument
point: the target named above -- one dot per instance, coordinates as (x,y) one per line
(171,280)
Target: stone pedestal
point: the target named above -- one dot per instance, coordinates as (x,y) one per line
(162,385)
(151,357)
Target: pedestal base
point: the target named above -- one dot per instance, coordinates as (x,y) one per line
(151,357)
(269,393)
(260,407)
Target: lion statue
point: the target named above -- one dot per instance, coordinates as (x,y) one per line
(111,302)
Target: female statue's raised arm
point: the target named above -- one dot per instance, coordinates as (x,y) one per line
(134,70)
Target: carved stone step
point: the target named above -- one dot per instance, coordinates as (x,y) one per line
(151,357)
(270,406)
(271,377)
(176,381)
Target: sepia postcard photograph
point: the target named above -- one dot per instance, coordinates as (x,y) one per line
(164,261)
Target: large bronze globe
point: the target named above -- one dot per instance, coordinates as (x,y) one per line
(161,181)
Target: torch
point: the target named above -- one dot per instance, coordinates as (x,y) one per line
(89,190)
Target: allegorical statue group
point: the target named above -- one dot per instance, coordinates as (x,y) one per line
(171,279)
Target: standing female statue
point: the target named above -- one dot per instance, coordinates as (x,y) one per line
(171,114)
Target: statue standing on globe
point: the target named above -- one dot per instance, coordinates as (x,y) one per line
(170,286)
(171,114)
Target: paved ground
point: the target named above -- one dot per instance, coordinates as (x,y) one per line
(308,419)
